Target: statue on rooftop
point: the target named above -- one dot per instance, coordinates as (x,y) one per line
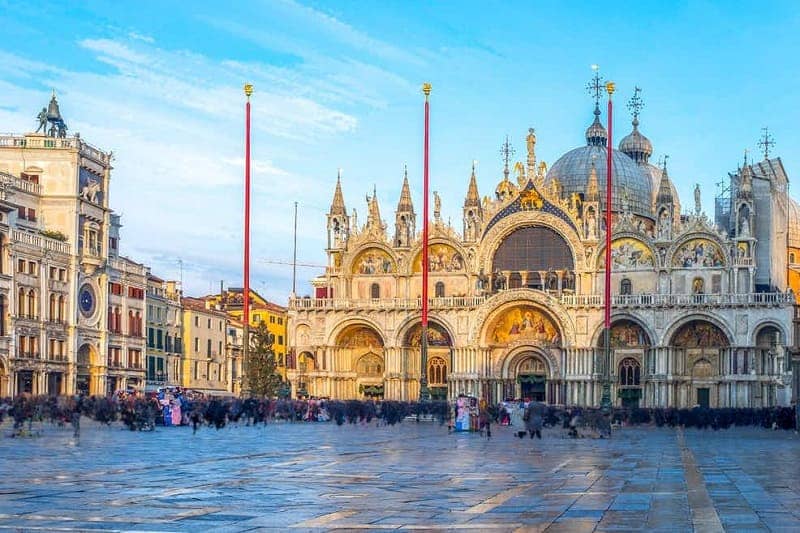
(42,118)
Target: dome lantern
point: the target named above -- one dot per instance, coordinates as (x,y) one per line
(596,134)
(635,145)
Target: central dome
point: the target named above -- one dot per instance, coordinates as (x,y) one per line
(573,168)
(794,224)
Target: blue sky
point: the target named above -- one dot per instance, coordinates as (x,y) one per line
(337,85)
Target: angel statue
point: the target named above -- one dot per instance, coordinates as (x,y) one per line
(521,178)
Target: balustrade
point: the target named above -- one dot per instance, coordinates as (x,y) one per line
(567,300)
(66,143)
(40,241)
(19,183)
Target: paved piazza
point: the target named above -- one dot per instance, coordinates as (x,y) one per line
(412,476)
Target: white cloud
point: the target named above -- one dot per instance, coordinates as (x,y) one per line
(174,119)
(139,37)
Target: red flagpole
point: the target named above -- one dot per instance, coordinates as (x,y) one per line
(609,184)
(423,382)
(248,90)
(605,401)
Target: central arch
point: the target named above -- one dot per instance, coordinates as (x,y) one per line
(502,302)
(527,371)
(534,257)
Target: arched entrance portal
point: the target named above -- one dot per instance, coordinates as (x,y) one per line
(363,348)
(439,356)
(525,341)
(89,373)
(700,344)
(771,359)
(531,377)
(629,344)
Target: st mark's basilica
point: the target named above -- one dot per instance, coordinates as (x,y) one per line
(701,307)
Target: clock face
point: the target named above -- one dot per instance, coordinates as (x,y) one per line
(86,300)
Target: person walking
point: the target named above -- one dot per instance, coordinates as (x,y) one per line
(516,413)
(535,418)
(484,418)
(75,416)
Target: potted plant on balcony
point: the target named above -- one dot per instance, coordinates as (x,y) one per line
(53,234)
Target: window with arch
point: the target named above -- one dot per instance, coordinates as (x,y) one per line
(437,372)
(306,362)
(629,372)
(439,289)
(32,304)
(626,286)
(21,303)
(375,291)
(2,315)
(537,248)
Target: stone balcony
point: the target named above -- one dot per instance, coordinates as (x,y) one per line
(20,184)
(54,143)
(41,242)
(628,301)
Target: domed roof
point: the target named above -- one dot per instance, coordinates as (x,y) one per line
(794,224)
(573,168)
(636,146)
(505,189)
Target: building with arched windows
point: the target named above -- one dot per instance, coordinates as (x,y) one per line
(71,307)
(701,311)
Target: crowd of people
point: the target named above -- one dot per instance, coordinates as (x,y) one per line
(181,407)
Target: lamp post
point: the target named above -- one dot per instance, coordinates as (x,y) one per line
(605,401)
(248,91)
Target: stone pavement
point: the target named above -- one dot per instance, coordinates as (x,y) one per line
(316,477)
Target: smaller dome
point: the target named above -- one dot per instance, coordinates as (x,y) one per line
(505,189)
(596,134)
(794,224)
(636,146)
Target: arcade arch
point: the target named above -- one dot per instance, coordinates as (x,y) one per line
(89,371)
(440,346)
(699,345)
(360,349)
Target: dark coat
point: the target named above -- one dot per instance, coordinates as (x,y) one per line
(534,416)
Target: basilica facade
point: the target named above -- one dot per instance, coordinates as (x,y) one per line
(701,308)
